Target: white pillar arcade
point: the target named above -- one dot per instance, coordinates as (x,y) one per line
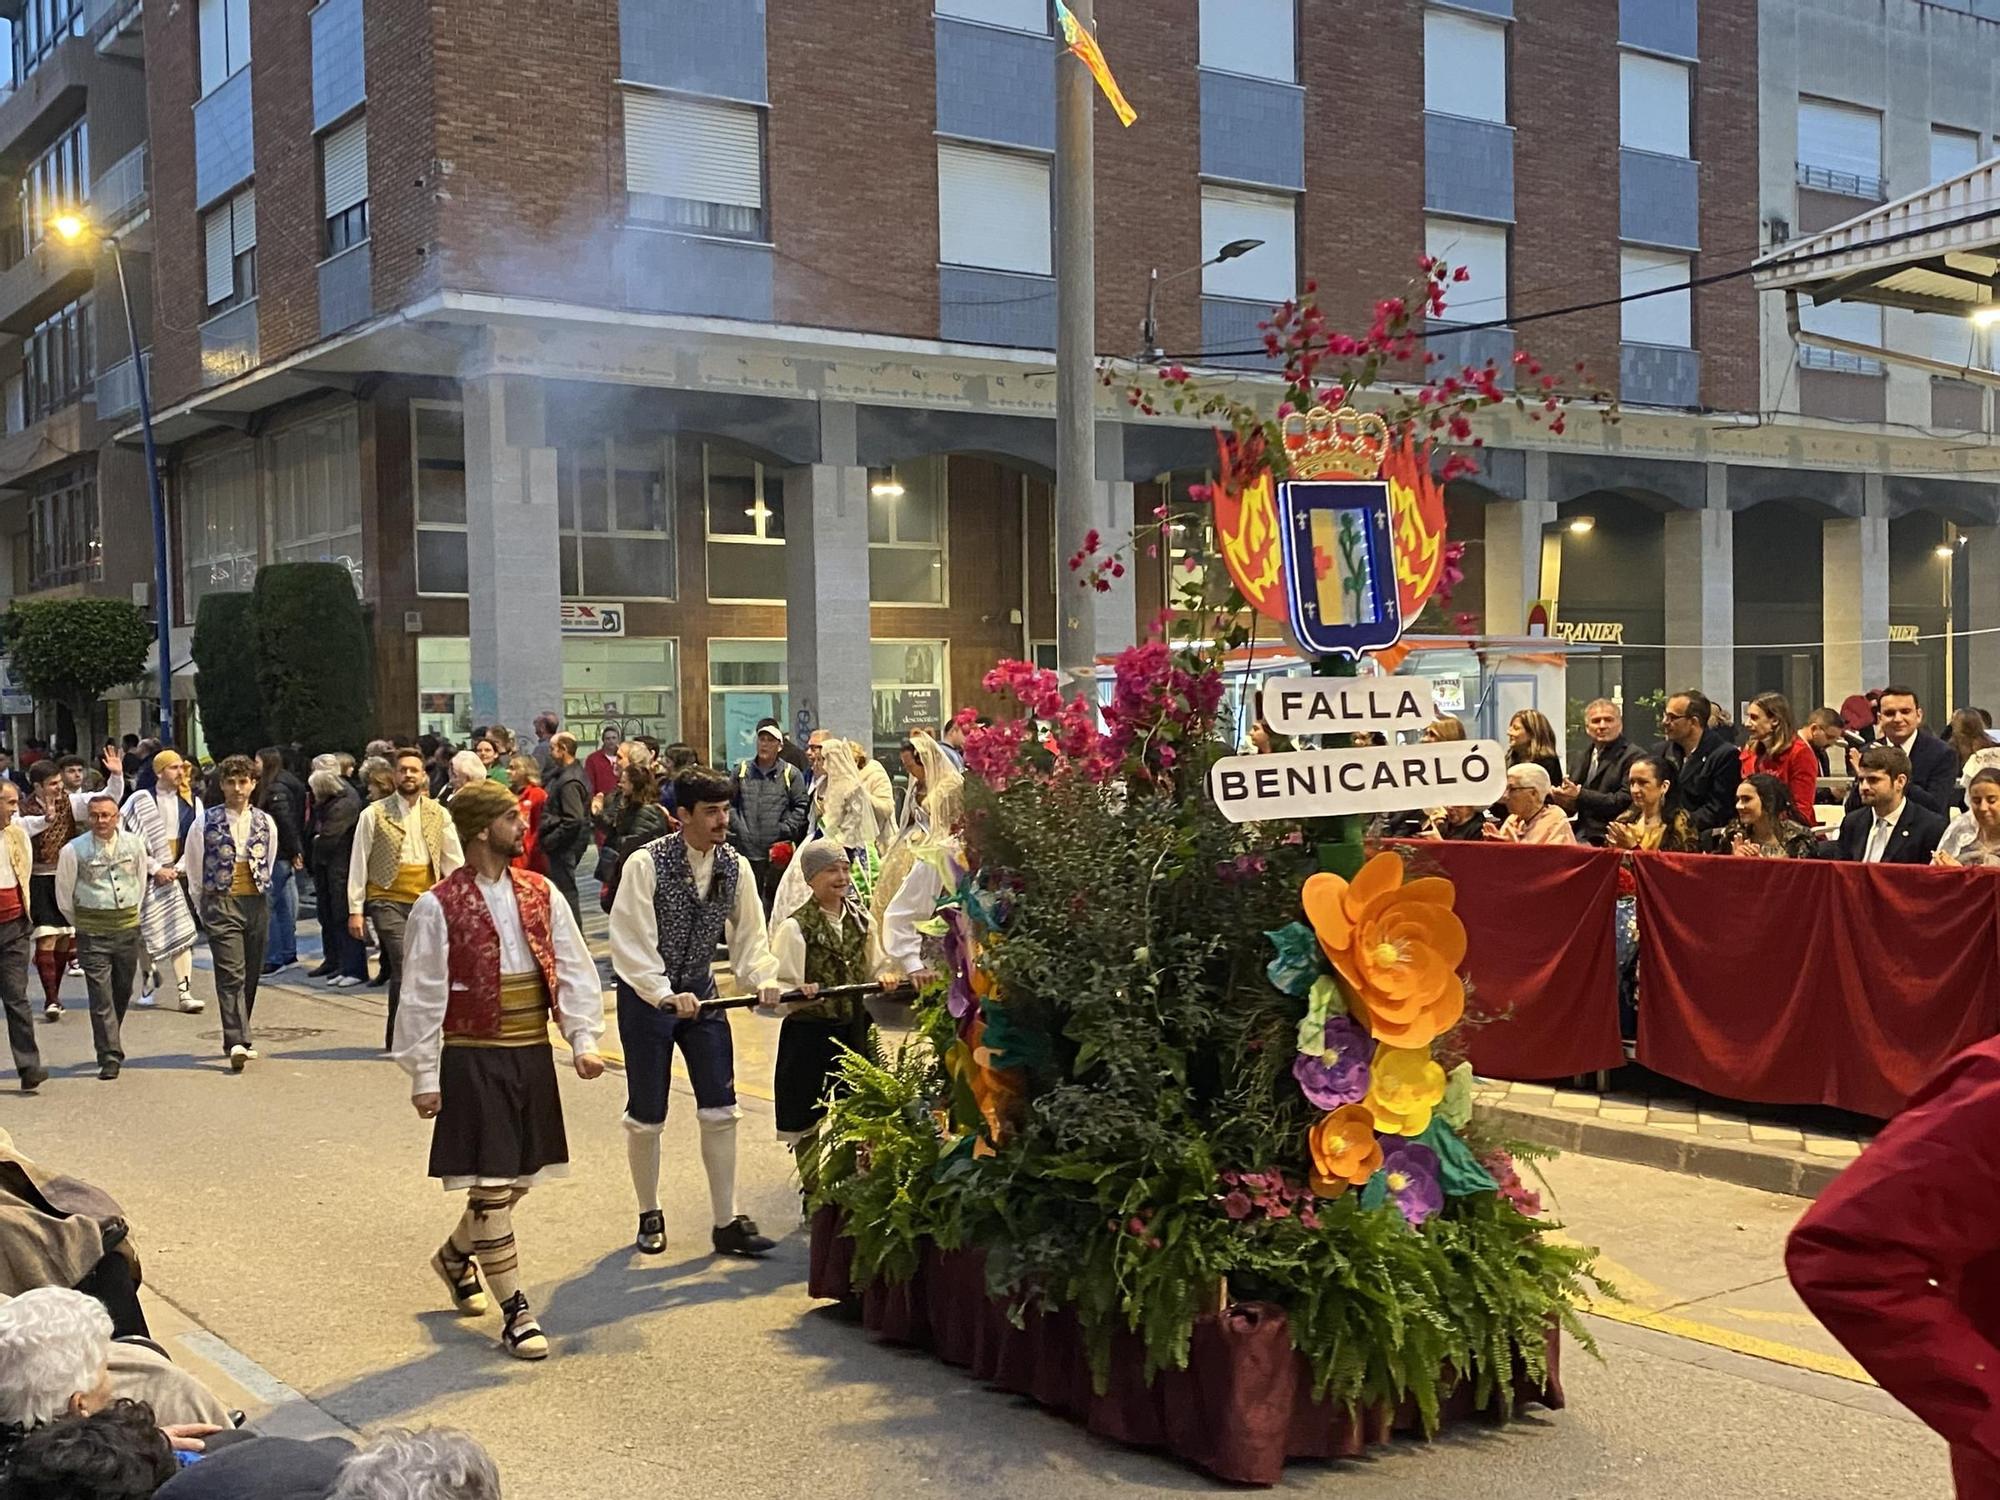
(1514,533)
(1980,558)
(827,661)
(514,588)
(1700,565)
(1855,596)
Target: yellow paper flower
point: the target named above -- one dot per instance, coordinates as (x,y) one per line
(1404,1089)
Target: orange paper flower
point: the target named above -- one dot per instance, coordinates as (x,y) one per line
(1397,944)
(1344,1150)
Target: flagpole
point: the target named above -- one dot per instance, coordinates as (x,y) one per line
(1076,348)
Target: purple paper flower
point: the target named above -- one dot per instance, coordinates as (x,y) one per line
(1411,1173)
(959,999)
(1338,1073)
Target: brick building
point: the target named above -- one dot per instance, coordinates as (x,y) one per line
(728,324)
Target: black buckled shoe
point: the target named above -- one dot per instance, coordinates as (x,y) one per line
(740,1237)
(522,1337)
(653,1232)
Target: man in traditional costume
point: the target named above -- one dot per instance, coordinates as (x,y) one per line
(677,897)
(403,845)
(57,817)
(101,879)
(17,862)
(488,957)
(230,861)
(165,817)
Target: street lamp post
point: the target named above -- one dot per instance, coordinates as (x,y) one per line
(73,230)
(1149,332)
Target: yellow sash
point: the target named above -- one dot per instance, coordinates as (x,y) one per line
(411,882)
(524,1015)
(242,884)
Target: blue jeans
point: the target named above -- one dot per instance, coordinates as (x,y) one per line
(282,947)
(649,1037)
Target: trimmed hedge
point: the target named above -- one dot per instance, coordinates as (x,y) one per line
(313,659)
(225,686)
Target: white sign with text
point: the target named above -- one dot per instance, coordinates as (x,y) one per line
(1347,705)
(1327,783)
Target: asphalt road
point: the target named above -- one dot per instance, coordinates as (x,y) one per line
(285,1223)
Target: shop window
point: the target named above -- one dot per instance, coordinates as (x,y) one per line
(908,678)
(746,682)
(218,524)
(906,533)
(632,685)
(316,491)
(744,503)
(617,541)
(437,456)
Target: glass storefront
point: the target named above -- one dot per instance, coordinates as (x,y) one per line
(746,682)
(632,684)
(909,680)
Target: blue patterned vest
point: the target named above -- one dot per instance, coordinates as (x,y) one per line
(690,927)
(219,854)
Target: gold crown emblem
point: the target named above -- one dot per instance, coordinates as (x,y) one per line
(1347,441)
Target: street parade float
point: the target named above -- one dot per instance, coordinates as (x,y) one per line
(1183,1146)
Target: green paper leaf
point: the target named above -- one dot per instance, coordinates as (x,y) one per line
(1297,964)
(1376,1193)
(1458,1168)
(1456,1108)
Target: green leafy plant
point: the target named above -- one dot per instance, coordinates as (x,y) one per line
(72,651)
(315,674)
(225,685)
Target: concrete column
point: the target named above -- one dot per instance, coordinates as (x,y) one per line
(1514,551)
(1980,560)
(514,598)
(826,586)
(1701,594)
(1855,595)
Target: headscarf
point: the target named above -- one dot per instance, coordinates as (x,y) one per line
(477,804)
(944,810)
(166,760)
(846,815)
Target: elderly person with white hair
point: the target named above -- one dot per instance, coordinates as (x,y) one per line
(58,1359)
(1531,819)
(439,1463)
(466,768)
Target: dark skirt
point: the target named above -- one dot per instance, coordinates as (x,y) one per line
(808,1058)
(501,1117)
(42,908)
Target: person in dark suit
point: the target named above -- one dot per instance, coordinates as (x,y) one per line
(1899,721)
(1594,792)
(1889,828)
(1702,762)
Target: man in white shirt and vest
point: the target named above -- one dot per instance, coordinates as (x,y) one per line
(17,863)
(231,862)
(101,880)
(491,957)
(403,845)
(677,898)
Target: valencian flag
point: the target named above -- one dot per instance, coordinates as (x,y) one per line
(1084,47)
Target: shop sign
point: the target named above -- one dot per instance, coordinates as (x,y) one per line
(1592,632)
(14,699)
(1903,635)
(1347,705)
(1326,783)
(919,706)
(593,619)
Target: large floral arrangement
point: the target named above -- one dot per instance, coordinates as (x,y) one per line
(1175,1062)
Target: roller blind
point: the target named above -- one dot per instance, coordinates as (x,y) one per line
(221,257)
(1015,15)
(993,210)
(1652,104)
(1840,138)
(1270,272)
(1665,319)
(1482,250)
(1252,37)
(1465,66)
(344,165)
(1952,152)
(693,149)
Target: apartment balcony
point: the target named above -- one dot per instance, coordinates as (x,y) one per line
(42,281)
(45,102)
(1659,375)
(124,192)
(116,28)
(43,444)
(229,344)
(118,388)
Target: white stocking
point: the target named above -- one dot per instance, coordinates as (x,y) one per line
(642,1154)
(718,1156)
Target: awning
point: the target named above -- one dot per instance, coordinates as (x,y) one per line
(1934,251)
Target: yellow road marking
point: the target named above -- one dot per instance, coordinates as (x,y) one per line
(1725,1338)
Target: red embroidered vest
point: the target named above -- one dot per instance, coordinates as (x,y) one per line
(472,1006)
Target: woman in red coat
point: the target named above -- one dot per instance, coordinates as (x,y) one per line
(526,778)
(1775,749)
(1900,1259)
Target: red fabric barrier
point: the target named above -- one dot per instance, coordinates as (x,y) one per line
(1240,1408)
(1541,951)
(1810,981)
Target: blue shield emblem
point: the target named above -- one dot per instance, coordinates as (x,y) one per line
(1340,573)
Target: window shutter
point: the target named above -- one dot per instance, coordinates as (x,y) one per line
(243,217)
(993,210)
(1268,274)
(1015,15)
(686,148)
(1465,66)
(1840,138)
(1653,97)
(1252,37)
(344,166)
(1482,250)
(221,256)
(1665,319)
(1952,152)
